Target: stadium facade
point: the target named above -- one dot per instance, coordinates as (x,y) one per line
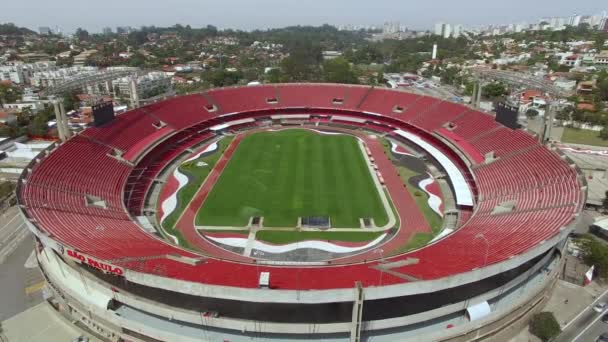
(90,203)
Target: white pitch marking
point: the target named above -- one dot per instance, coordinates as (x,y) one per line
(312,244)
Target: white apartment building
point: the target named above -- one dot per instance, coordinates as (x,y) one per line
(439,29)
(575,20)
(149,85)
(457,31)
(13,73)
(447,31)
(21,73)
(601,59)
(53,77)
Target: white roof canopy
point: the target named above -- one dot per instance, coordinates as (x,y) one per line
(229,124)
(461,187)
(478,311)
(292,116)
(347,118)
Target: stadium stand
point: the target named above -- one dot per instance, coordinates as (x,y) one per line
(84,166)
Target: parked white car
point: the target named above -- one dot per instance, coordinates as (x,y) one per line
(599,307)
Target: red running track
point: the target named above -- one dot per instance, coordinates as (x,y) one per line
(411,219)
(185,223)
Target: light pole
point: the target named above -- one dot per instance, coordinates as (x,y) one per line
(482,237)
(381,252)
(257,253)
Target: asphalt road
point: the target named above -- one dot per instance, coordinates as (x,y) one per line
(587,326)
(20,286)
(12,228)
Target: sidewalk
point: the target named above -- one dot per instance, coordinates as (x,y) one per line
(40,324)
(578,297)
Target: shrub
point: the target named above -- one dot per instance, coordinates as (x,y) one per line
(544,326)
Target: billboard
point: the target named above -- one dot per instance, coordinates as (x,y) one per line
(507,115)
(103,113)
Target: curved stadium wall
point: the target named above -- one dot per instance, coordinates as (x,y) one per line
(122,281)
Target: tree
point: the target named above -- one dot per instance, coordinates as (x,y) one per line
(70,100)
(602,86)
(2,337)
(303,61)
(531,113)
(137,60)
(544,326)
(495,89)
(564,114)
(594,253)
(8,93)
(274,76)
(338,70)
(604,133)
(600,39)
(38,126)
(223,78)
(295,70)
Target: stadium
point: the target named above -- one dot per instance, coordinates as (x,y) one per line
(300,212)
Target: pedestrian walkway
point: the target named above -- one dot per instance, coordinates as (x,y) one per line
(40,324)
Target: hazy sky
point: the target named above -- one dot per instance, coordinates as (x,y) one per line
(251,14)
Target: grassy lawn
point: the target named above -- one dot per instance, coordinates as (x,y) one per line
(421,198)
(6,188)
(285,237)
(196,176)
(583,137)
(418,240)
(213,231)
(289,174)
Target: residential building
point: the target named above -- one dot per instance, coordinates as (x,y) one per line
(565,84)
(82,57)
(586,87)
(146,86)
(603,25)
(457,31)
(575,20)
(53,77)
(124,29)
(34,57)
(33,106)
(13,73)
(391,27)
(439,29)
(601,59)
(7,116)
(447,30)
(21,73)
(44,30)
(331,54)
(573,60)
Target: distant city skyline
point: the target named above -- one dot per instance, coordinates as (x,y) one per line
(68,15)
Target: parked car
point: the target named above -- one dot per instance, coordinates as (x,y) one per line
(602,338)
(599,307)
(605,318)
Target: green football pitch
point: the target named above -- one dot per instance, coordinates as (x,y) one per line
(294,173)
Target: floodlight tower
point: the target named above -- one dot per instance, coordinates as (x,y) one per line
(62,120)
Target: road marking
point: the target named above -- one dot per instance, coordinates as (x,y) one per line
(588,326)
(34,288)
(31,261)
(9,222)
(585,309)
